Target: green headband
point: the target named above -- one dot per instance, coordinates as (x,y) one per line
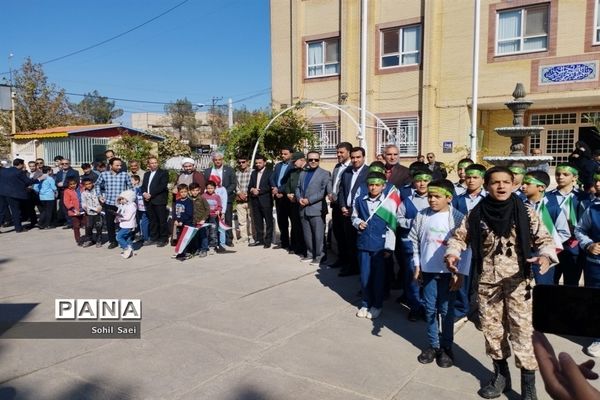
(567,168)
(376,168)
(422,177)
(439,190)
(517,170)
(531,179)
(475,172)
(464,164)
(597,177)
(376,181)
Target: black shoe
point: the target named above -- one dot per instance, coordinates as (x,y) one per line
(229,244)
(67,227)
(161,244)
(528,385)
(344,273)
(428,355)
(338,264)
(112,245)
(220,250)
(445,358)
(500,382)
(148,243)
(414,316)
(267,245)
(255,244)
(277,247)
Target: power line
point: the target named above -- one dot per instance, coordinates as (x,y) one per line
(111,38)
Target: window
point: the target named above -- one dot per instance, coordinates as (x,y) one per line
(522,30)
(403,132)
(401,46)
(597,24)
(323,58)
(328,136)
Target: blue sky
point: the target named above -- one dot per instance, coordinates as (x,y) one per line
(201,49)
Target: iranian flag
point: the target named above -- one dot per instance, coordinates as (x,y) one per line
(549,224)
(186,235)
(223,225)
(388,208)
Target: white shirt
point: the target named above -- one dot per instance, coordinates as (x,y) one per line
(338,176)
(355,174)
(432,245)
(152,173)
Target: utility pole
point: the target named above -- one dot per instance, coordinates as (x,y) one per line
(13,125)
(214,102)
(229,113)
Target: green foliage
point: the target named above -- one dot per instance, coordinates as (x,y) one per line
(290,129)
(97,109)
(4,146)
(133,147)
(182,115)
(38,104)
(172,147)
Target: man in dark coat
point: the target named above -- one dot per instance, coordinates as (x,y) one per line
(278,182)
(438,171)
(63,175)
(155,192)
(261,202)
(227,175)
(13,190)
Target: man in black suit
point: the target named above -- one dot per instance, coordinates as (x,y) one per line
(278,181)
(155,192)
(352,179)
(228,181)
(342,150)
(261,202)
(13,190)
(63,175)
(438,171)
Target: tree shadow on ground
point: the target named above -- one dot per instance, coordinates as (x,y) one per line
(11,313)
(98,389)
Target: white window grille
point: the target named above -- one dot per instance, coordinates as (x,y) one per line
(328,136)
(77,149)
(522,30)
(404,133)
(597,23)
(400,46)
(323,58)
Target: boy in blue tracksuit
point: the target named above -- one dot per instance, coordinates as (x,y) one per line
(566,198)
(429,233)
(374,238)
(413,201)
(587,233)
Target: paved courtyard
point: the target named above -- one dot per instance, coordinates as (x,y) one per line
(249,324)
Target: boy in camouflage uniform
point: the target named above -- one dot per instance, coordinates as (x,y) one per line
(502,232)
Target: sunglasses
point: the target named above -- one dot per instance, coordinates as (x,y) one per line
(65,163)
(314,160)
(242,162)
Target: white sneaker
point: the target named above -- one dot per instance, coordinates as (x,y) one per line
(373,313)
(128,252)
(362,313)
(594,348)
(211,252)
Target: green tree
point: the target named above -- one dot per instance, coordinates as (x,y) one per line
(133,147)
(38,104)
(97,109)
(172,147)
(182,115)
(290,129)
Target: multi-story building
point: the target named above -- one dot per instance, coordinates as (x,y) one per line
(419,70)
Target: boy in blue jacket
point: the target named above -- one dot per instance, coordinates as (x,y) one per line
(183,214)
(374,238)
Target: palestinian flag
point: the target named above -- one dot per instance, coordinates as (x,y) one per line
(388,207)
(186,235)
(549,224)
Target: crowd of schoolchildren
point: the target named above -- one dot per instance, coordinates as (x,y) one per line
(412,214)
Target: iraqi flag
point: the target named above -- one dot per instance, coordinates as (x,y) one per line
(186,235)
(388,208)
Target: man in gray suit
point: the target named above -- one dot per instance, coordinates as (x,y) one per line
(314,184)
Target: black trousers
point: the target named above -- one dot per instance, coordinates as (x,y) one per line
(157,215)
(350,251)
(94,222)
(14,205)
(283,209)
(570,267)
(297,237)
(262,216)
(229,220)
(337,225)
(46,209)
(111,225)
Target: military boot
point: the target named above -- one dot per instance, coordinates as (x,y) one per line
(499,383)
(528,384)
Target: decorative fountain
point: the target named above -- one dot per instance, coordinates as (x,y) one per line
(518,132)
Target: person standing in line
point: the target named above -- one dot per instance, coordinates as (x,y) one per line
(155,192)
(245,227)
(93,210)
(135,169)
(108,187)
(460,187)
(226,175)
(314,184)
(297,245)
(337,219)
(72,201)
(261,202)
(47,193)
(277,181)
(65,173)
(438,171)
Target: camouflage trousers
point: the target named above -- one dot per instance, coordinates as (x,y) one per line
(505,316)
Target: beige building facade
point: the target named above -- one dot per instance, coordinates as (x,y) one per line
(419,71)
